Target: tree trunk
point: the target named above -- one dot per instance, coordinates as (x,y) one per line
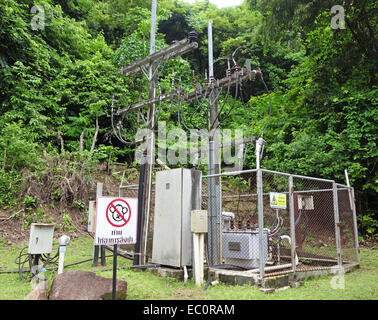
(94,138)
(81,143)
(61,141)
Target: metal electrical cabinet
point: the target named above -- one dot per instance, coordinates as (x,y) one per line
(41,238)
(177,193)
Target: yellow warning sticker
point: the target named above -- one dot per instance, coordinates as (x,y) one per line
(277,200)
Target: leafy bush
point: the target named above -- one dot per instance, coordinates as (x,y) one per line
(17,147)
(368,226)
(10,181)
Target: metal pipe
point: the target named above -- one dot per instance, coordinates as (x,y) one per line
(210,51)
(267,193)
(233,173)
(282,266)
(296,260)
(114,291)
(153,26)
(292,224)
(297,176)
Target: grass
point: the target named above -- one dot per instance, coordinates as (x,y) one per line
(360,284)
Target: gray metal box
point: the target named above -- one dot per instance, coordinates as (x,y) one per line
(242,248)
(177,193)
(41,238)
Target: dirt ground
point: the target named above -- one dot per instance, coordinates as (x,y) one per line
(13,221)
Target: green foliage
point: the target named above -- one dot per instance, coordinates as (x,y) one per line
(17,147)
(10,181)
(79,204)
(29,202)
(58,83)
(67,222)
(368,226)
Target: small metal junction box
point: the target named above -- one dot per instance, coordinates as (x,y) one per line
(41,238)
(198,221)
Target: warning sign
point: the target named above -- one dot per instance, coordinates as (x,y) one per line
(116,221)
(277,200)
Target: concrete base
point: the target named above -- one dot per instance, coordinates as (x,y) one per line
(175,273)
(276,280)
(271,281)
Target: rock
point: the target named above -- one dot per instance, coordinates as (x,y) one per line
(85,285)
(39,292)
(296,284)
(267,290)
(283,288)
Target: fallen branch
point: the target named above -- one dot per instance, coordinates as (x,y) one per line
(69,185)
(13,215)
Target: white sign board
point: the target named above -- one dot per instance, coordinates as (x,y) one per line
(116,221)
(277,200)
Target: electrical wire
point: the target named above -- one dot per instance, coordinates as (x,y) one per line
(21,263)
(233,104)
(25,257)
(118,135)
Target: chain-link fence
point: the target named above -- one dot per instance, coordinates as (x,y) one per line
(271,221)
(267,221)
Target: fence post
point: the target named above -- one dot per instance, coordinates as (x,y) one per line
(260,210)
(292,222)
(337,225)
(353,204)
(213,203)
(97,249)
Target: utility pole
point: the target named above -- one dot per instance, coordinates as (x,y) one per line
(151,137)
(151,62)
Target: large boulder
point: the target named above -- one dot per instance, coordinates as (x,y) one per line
(85,285)
(39,292)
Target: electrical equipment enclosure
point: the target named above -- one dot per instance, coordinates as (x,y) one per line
(199,221)
(177,193)
(41,238)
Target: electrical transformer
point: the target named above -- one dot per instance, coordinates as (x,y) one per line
(178,192)
(241,248)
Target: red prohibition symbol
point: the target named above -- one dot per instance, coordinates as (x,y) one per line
(118,213)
